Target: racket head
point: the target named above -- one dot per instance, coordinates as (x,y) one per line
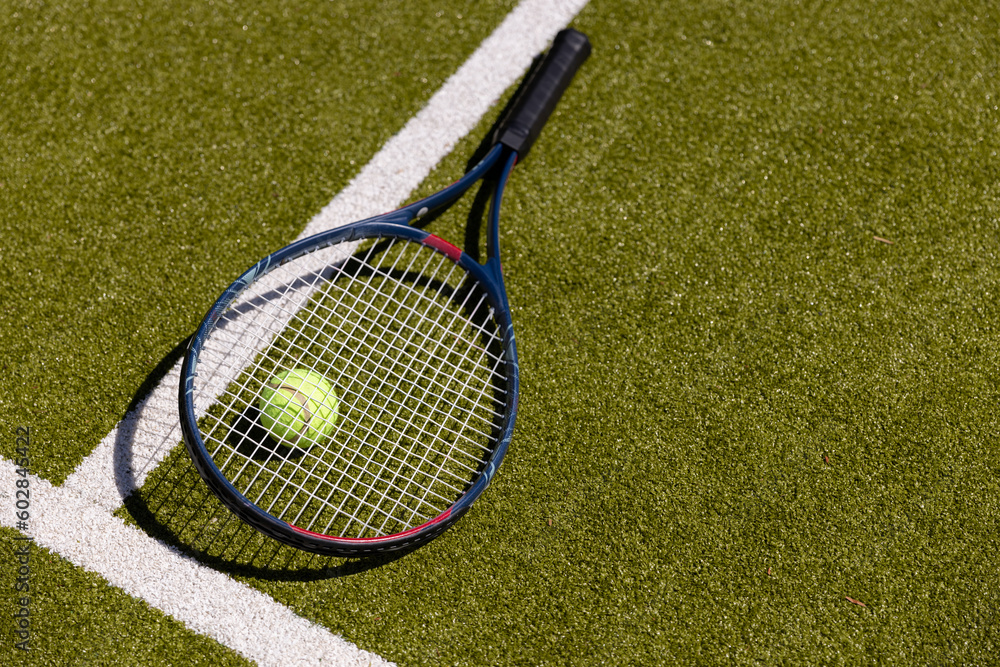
(426,407)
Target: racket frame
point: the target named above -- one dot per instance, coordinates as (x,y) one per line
(514,137)
(395,224)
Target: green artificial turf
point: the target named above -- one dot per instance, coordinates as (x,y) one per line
(753,266)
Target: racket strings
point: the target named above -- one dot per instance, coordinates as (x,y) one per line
(279,472)
(382,468)
(339,334)
(408,340)
(399,480)
(269,509)
(366,341)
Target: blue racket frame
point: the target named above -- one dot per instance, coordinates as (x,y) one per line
(395,224)
(513,138)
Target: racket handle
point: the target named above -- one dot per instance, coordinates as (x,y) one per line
(541,93)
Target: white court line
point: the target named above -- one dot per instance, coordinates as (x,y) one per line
(75,521)
(205,600)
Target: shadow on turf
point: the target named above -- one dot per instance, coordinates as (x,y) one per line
(176,507)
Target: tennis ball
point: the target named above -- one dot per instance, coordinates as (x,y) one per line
(298,408)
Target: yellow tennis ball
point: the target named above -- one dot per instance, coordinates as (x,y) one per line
(298,408)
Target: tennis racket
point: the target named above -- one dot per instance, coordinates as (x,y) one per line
(354,392)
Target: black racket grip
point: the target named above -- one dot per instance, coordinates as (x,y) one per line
(541,93)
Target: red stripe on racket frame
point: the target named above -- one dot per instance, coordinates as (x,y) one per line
(438,243)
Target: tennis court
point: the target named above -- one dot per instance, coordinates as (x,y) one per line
(752,268)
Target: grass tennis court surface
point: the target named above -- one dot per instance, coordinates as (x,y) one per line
(753,265)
